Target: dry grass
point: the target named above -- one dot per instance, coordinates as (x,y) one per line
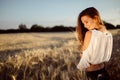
(47,56)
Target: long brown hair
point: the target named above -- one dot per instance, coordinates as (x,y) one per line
(80,29)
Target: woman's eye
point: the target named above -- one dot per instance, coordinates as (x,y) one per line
(86,22)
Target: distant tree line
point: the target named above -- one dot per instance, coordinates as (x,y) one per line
(57,28)
(111,26)
(39,28)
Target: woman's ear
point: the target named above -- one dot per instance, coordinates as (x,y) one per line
(96,18)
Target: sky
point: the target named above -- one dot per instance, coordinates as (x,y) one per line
(49,13)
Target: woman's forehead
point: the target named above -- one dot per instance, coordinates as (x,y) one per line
(85,17)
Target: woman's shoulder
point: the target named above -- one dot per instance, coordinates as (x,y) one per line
(87,40)
(89,33)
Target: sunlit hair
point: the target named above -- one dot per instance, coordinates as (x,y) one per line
(80,29)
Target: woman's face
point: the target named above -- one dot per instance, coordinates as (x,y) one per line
(89,23)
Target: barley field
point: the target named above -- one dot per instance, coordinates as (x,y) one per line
(48,56)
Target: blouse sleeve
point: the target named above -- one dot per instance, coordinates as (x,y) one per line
(109,48)
(84,61)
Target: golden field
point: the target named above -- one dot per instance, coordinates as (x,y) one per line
(48,56)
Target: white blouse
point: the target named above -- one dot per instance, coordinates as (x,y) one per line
(99,49)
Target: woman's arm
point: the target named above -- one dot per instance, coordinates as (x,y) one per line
(86,40)
(84,61)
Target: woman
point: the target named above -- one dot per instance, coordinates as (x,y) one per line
(96,44)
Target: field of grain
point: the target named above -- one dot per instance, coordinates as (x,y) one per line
(48,56)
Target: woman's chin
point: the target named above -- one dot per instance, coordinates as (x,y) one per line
(90,29)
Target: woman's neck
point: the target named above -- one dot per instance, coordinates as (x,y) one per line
(101,28)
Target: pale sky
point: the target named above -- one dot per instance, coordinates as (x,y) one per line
(53,12)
